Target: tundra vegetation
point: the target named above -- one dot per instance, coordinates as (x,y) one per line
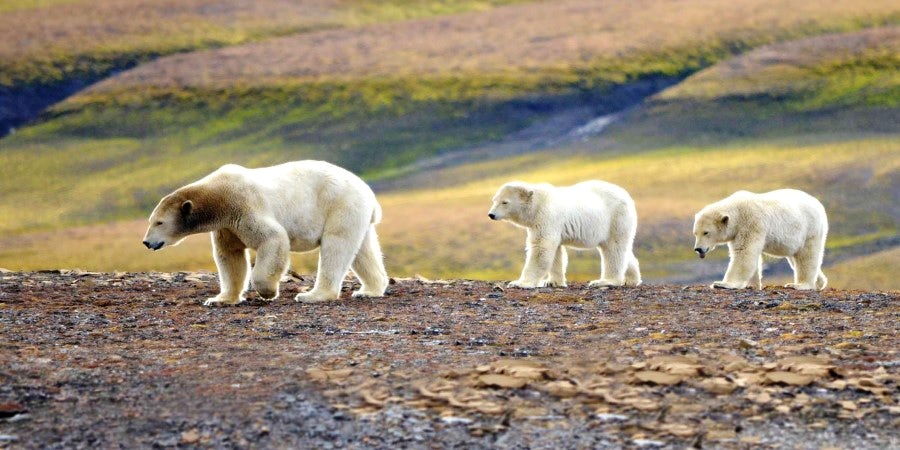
(769,94)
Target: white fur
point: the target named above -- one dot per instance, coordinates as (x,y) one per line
(591,214)
(784,223)
(297,206)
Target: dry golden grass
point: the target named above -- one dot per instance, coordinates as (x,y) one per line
(548,37)
(57,35)
(48,40)
(446,233)
(876,271)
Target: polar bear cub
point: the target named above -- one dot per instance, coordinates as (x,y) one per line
(297,206)
(591,214)
(786,223)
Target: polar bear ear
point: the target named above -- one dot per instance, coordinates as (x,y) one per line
(724,220)
(186,207)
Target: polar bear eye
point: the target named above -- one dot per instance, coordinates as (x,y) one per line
(158,223)
(706,233)
(504,202)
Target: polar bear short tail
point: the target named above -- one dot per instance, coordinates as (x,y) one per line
(376,215)
(821,281)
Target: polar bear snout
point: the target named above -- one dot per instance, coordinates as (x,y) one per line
(492,216)
(701,252)
(154,245)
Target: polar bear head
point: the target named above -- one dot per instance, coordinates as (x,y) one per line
(711,228)
(187,211)
(513,202)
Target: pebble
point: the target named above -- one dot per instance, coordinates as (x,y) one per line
(648,443)
(611,417)
(450,420)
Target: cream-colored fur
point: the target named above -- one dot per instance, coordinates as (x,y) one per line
(297,206)
(785,223)
(592,214)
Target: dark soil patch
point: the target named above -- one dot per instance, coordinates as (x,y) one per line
(134,360)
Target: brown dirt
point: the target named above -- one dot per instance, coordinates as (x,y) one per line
(133,360)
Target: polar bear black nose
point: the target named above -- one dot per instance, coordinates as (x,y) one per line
(155,246)
(492,216)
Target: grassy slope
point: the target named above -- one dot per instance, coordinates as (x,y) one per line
(446,233)
(868,272)
(831,86)
(829,126)
(109,153)
(443,233)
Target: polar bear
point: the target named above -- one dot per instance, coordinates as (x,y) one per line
(591,214)
(297,206)
(786,223)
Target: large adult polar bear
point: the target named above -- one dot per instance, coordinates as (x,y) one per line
(297,206)
(591,214)
(787,223)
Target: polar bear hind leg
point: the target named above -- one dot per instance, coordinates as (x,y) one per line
(807,268)
(821,281)
(613,264)
(340,244)
(633,272)
(368,266)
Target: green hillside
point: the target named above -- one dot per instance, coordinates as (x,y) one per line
(776,94)
(831,87)
(373,98)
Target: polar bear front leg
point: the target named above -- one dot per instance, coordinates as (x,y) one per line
(557,276)
(232,261)
(613,264)
(538,259)
(742,266)
(757,274)
(272,258)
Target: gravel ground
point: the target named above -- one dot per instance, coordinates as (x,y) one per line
(133,360)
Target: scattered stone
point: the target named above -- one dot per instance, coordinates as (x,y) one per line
(608,417)
(190,437)
(11,409)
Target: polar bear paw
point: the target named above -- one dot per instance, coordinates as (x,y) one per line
(554,283)
(366,294)
(604,284)
(800,286)
(725,285)
(221,300)
(315,297)
(524,284)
